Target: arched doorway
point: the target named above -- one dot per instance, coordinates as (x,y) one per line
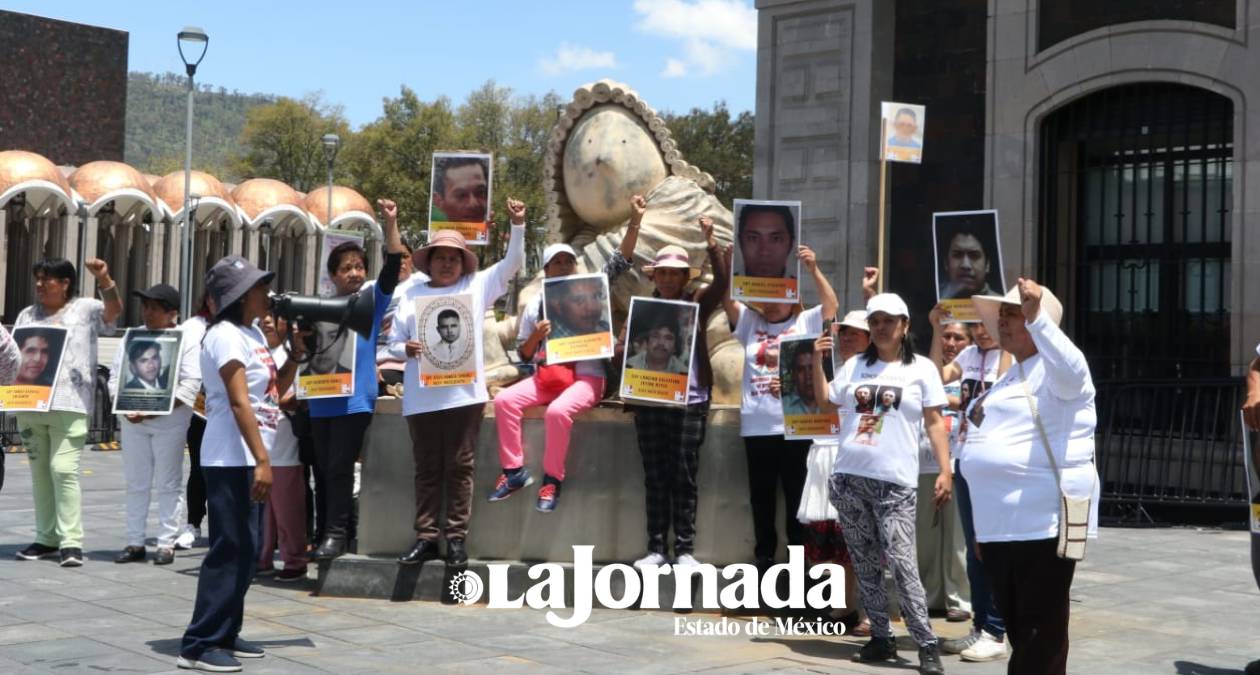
(1135,213)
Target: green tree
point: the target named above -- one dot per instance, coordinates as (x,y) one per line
(282,140)
(718,144)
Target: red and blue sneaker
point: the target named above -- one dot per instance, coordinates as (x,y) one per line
(510,481)
(548,495)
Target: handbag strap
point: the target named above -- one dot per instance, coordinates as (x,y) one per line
(1041,429)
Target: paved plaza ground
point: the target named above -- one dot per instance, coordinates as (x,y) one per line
(1147,601)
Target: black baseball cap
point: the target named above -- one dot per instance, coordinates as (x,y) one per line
(163,293)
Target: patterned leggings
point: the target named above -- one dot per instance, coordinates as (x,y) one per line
(877,518)
(670,440)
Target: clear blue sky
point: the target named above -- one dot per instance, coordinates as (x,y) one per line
(678,54)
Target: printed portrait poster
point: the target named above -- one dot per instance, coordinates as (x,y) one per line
(872,401)
(803,416)
(149,372)
(40,349)
(329,370)
(968,259)
(448,334)
(903,125)
(660,335)
(581,319)
(766,267)
(459,195)
(333,239)
(1251,460)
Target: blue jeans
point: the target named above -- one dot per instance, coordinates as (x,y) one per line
(984,613)
(228,567)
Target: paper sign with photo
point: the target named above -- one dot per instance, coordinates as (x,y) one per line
(804,416)
(581,319)
(459,195)
(766,267)
(448,334)
(149,372)
(903,125)
(329,370)
(1251,462)
(660,336)
(968,256)
(41,349)
(333,239)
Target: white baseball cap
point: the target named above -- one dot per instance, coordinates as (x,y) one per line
(856,319)
(888,303)
(556,249)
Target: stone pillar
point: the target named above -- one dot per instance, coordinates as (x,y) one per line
(822,68)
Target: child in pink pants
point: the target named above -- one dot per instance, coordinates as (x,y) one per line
(566,389)
(284,522)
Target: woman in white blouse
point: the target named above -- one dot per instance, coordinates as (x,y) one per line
(1015,487)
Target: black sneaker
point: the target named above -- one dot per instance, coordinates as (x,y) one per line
(244,649)
(37,552)
(930,660)
(877,649)
(211,661)
(130,554)
(71,557)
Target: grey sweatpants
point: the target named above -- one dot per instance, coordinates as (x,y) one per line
(878,521)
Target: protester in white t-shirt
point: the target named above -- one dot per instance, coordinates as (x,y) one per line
(242,416)
(284,523)
(1015,488)
(942,552)
(971,371)
(875,478)
(773,460)
(445,421)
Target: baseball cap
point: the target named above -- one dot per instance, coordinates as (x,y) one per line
(856,319)
(888,303)
(163,293)
(556,249)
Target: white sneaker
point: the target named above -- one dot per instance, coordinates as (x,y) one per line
(987,648)
(188,536)
(652,559)
(686,560)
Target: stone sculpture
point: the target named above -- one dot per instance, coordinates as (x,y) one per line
(607,146)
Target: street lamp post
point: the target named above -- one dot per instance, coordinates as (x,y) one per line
(193,37)
(332,143)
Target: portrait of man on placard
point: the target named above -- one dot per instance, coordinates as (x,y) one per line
(40,351)
(461,187)
(577,305)
(796,363)
(968,258)
(765,236)
(658,341)
(145,368)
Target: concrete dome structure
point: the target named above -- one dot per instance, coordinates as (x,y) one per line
(100,183)
(213,198)
(350,210)
(266,200)
(38,179)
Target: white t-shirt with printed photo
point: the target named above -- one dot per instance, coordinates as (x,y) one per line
(285,450)
(761,412)
(225,342)
(881,408)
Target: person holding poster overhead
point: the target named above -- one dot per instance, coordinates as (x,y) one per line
(444,421)
(874,480)
(54,439)
(772,459)
(153,444)
(566,389)
(670,436)
(339,423)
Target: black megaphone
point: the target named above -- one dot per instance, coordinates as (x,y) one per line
(355,311)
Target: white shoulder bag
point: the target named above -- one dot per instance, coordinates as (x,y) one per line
(1073,511)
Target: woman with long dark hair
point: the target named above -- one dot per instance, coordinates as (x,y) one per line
(242,413)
